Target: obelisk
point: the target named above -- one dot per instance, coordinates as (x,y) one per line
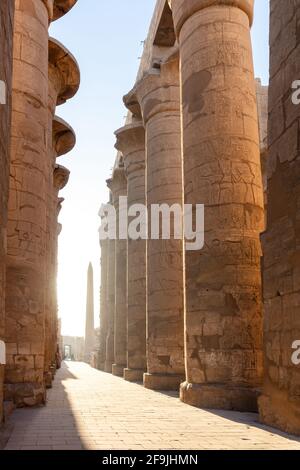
(89,322)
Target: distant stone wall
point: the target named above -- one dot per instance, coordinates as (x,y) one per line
(280,403)
(6,39)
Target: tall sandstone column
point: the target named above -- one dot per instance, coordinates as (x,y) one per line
(25,288)
(159,99)
(223,322)
(131,142)
(6,52)
(63,84)
(104,244)
(63,141)
(111,298)
(119,188)
(280,402)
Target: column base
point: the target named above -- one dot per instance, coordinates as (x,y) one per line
(220,397)
(134,375)
(48,379)
(117,370)
(25,394)
(162,382)
(278,411)
(108,367)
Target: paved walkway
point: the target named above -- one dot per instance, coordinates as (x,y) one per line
(88,409)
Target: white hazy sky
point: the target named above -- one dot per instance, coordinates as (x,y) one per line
(105,38)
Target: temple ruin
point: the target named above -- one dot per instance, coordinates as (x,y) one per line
(217,324)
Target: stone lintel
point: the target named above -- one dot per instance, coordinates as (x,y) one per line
(65,63)
(165,35)
(61,7)
(64,138)
(60,177)
(183,10)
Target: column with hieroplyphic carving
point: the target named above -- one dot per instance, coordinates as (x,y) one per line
(131,142)
(223,322)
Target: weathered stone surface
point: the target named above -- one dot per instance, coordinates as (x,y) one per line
(63,83)
(111,300)
(25,293)
(104,244)
(280,402)
(223,318)
(90,339)
(118,186)
(6,51)
(158,96)
(131,142)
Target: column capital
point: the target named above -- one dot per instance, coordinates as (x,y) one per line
(130,138)
(131,143)
(183,10)
(68,72)
(61,7)
(60,177)
(63,136)
(158,90)
(117,183)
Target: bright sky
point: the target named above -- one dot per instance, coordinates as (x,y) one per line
(105,38)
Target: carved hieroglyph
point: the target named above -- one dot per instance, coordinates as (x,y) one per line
(26,241)
(6,51)
(223,319)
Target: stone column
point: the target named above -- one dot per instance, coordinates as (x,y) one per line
(64,80)
(104,244)
(119,188)
(131,142)
(6,51)
(26,260)
(159,99)
(89,344)
(279,404)
(223,322)
(111,298)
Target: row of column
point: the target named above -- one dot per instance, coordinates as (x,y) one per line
(194,318)
(45,75)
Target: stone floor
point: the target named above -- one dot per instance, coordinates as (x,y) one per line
(88,409)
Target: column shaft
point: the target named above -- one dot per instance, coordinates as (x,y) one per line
(158,95)
(279,404)
(103,304)
(25,287)
(221,170)
(6,51)
(131,142)
(119,188)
